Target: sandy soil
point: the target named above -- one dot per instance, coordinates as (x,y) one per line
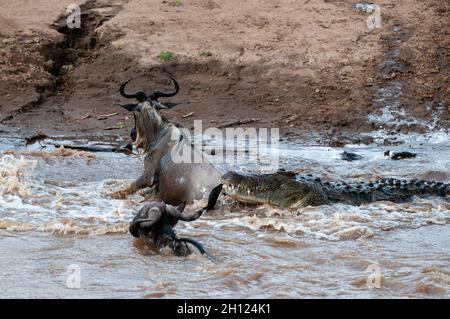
(304,66)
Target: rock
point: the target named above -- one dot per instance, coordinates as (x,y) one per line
(365,7)
(347,156)
(403,155)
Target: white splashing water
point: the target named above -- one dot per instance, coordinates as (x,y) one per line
(15,175)
(31,203)
(339,222)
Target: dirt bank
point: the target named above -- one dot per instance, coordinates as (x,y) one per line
(304,66)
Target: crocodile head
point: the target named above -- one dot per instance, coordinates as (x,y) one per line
(275,189)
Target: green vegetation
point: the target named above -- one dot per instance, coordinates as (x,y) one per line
(165,55)
(205,54)
(178,3)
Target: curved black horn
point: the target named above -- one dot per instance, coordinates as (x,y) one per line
(141,96)
(157,94)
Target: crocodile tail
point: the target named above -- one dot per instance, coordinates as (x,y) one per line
(394,190)
(416,187)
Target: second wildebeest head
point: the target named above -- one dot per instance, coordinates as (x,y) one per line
(155,222)
(146,116)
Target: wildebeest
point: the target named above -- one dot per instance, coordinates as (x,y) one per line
(161,142)
(155,222)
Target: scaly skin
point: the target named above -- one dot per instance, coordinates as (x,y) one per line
(277,190)
(287,190)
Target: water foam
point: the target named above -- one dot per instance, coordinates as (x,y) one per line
(342,222)
(15,175)
(30,203)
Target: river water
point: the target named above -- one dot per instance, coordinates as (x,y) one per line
(59,223)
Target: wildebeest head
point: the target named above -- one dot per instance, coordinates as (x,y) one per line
(146,117)
(154,217)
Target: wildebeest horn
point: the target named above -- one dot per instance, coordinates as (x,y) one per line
(140,96)
(157,94)
(175,211)
(213,196)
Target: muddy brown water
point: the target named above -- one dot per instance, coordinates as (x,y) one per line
(57,220)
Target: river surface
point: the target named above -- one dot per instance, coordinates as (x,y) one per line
(62,235)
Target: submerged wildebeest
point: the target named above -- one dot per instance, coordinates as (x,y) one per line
(162,142)
(155,221)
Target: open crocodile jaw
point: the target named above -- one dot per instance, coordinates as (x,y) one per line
(276,189)
(242,195)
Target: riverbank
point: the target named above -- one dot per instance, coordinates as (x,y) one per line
(312,68)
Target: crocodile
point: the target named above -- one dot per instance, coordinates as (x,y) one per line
(288,189)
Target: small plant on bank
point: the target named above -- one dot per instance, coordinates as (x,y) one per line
(165,55)
(178,3)
(205,54)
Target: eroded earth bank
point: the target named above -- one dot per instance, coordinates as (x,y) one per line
(306,67)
